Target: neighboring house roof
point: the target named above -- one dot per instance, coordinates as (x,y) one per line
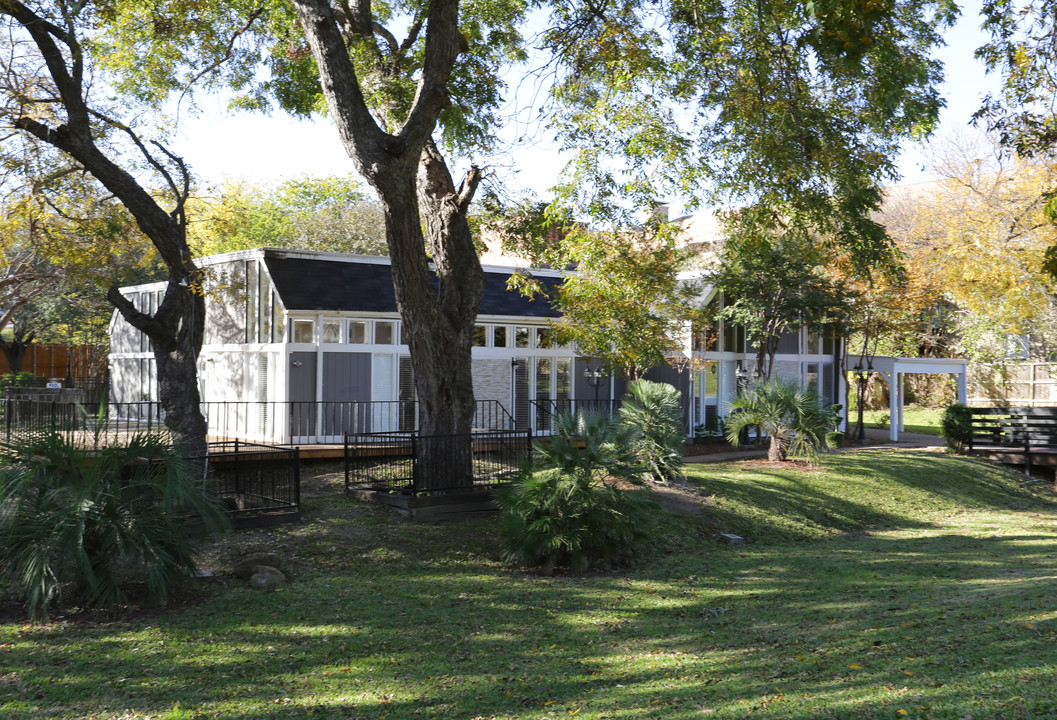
(344,285)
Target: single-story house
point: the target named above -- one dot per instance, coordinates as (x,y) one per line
(303,346)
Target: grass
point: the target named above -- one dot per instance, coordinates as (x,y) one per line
(883,585)
(916,419)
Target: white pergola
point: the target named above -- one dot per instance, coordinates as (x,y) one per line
(892,369)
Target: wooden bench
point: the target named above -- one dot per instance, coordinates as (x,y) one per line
(1016,435)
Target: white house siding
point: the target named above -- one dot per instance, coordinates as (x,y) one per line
(226,305)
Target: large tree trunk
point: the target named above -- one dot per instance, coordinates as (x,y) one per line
(175,331)
(15,351)
(413,184)
(439,309)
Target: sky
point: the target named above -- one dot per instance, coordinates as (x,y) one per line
(222,146)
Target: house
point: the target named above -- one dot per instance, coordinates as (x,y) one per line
(303,346)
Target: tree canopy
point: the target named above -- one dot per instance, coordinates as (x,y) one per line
(794,109)
(313,213)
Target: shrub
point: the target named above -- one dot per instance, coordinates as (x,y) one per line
(834,440)
(21,379)
(566,508)
(81,521)
(957,426)
(652,410)
(794,418)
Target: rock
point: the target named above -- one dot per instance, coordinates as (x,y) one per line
(265,577)
(245,567)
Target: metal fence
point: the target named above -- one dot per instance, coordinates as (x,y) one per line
(390,462)
(256,484)
(281,423)
(544,410)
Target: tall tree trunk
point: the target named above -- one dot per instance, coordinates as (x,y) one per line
(175,332)
(15,351)
(414,184)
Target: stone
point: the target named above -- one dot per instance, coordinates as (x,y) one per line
(266,577)
(245,567)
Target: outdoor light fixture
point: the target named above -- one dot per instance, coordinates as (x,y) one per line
(594,375)
(741,377)
(862,377)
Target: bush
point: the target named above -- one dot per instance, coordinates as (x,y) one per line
(834,440)
(794,418)
(21,379)
(82,522)
(957,427)
(565,510)
(652,410)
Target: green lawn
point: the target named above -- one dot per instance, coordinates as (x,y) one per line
(884,585)
(915,419)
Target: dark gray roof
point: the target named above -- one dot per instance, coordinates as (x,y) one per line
(335,285)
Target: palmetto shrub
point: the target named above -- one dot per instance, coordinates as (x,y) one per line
(793,417)
(77,524)
(653,412)
(566,509)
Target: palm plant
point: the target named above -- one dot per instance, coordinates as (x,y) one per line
(82,520)
(566,508)
(652,410)
(793,417)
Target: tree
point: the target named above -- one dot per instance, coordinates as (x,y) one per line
(793,110)
(1023,49)
(810,98)
(772,284)
(325,213)
(973,243)
(49,96)
(792,417)
(624,302)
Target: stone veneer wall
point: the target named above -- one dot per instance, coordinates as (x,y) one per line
(491,381)
(786,370)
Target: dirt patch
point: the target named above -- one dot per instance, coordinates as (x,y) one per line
(680,498)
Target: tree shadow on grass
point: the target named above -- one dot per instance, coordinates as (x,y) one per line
(667,641)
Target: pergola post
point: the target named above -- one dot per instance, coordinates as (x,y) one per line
(895,403)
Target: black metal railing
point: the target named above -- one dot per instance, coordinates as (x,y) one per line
(255,484)
(393,462)
(274,422)
(546,409)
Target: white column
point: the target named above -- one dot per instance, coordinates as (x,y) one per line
(894,403)
(963,385)
(902,395)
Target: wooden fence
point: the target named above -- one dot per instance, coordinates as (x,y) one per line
(60,361)
(1015,384)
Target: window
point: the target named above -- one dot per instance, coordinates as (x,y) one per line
(331,331)
(500,336)
(480,336)
(303,331)
(733,338)
(811,377)
(521,337)
(544,338)
(358,332)
(384,333)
